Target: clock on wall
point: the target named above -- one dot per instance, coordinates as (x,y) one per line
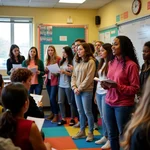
(136,6)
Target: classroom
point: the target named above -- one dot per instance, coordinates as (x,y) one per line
(51,23)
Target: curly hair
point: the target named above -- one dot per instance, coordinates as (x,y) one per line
(127,50)
(20,75)
(88,53)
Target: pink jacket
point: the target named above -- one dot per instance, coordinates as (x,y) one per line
(54,79)
(127,83)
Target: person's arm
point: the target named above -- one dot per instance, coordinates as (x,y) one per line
(9,66)
(36,139)
(41,68)
(24,64)
(73,80)
(89,76)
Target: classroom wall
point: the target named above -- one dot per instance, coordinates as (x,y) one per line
(55,16)
(109,12)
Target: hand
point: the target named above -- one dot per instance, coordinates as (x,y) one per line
(62,71)
(40,104)
(70,67)
(95,100)
(48,146)
(12,69)
(46,69)
(37,72)
(76,91)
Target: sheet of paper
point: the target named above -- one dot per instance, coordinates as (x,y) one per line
(33,70)
(17,66)
(106,80)
(54,68)
(38,121)
(37,98)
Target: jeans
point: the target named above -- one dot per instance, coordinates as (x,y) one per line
(84,105)
(52,92)
(61,99)
(116,118)
(100,99)
(36,88)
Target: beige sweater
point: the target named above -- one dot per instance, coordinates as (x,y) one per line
(83,75)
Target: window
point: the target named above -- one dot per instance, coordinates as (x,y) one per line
(14,31)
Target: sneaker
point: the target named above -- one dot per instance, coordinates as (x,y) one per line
(50,117)
(106,146)
(90,137)
(72,122)
(101,141)
(77,125)
(62,122)
(79,135)
(95,126)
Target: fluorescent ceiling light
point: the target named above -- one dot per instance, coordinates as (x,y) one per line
(72,1)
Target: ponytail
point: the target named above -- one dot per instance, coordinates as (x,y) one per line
(7,125)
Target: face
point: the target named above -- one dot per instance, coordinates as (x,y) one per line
(50,51)
(81,51)
(97,46)
(116,47)
(146,53)
(103,52)
(27,84)
(76,46)
(32,53)
(15,52)
(73,48)
(64,54)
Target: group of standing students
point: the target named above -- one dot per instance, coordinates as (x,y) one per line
(115,100)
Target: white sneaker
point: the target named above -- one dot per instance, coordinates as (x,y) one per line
(101,141)
(106,146)
(77,125)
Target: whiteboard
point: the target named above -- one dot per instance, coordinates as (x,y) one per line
(139,32)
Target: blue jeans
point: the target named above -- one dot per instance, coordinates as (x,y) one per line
(84,105)
(61,100)
(100,99)
(36,88)
(52,92)
(115,119)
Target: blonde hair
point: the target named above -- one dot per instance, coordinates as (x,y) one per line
(140,117)
(50,59)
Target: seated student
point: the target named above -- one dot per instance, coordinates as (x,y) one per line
(24,133)
(137,134)
(24,76)
(1,87)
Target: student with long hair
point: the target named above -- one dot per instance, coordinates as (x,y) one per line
(137,133)
(64,89)
(145,70)
(24,133)
(51,81)
(14,58)
(105,55)
(123,70)
(82,83)
(33,61)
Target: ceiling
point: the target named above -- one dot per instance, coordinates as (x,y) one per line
(88,4)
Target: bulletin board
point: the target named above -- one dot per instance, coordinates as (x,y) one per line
(107,35)
(59,36)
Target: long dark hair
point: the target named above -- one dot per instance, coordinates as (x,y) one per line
(36,56)
(127,49)
(88,53)
(69,53)
(11,55)
(107,47)
(1,81)
(14,97)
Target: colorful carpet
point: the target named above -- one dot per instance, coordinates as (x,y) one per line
(60,137)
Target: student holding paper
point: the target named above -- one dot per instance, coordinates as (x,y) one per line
(51,81)
(24,133)
(24,76)
(124,71)
(105,54)
(64,89)
(14,58)
(37,67)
